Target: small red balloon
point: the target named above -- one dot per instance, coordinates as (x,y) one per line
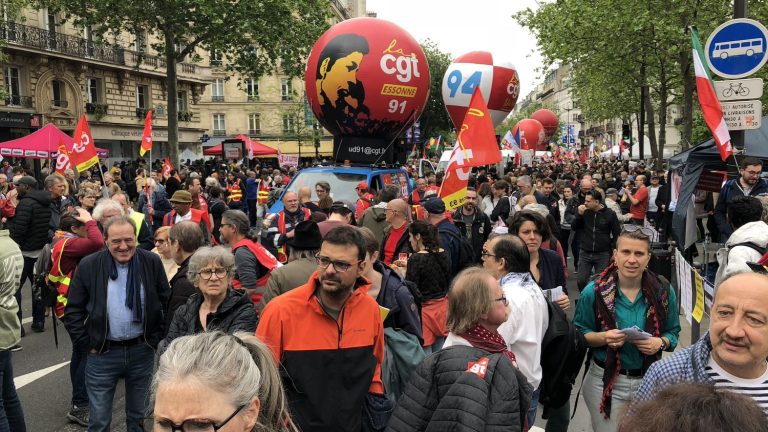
(548,120)
(531,134)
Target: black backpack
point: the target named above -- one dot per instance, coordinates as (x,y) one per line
(563,350)
(466,251)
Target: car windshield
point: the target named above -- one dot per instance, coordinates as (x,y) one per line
(342,184)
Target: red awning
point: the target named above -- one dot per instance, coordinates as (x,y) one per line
(259,149)
(40,144)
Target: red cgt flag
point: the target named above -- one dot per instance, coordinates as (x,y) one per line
(83,154)
(167,168)
(477,137)
(146,138)
(62,158)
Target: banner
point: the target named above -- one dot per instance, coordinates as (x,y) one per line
(167,168)
(83,154)
(453,190)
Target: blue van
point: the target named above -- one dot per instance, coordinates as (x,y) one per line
(344,179)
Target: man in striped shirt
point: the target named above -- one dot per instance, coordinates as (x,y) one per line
(732,355)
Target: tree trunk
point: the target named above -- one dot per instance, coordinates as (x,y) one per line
(651,121)
(663,104)
(173,109)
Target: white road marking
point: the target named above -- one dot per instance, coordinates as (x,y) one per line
(26,320)
(23,380)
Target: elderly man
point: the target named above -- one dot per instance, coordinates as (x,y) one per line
(184,239)
(105,210)
(56,185)
(182,203)
(282,224)
(143,230)
(115,306)
(395,240)
(375,218)
(732,355)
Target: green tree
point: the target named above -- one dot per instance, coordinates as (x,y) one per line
(434,120)
(251,36)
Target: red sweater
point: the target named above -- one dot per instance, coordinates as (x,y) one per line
(78,248)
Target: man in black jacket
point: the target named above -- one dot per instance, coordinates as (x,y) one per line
(599,228)
(29,229)
(115,306)
(185,238)
(749,183)
(474,225)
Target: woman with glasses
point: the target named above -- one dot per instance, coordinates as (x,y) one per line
(87,198)
(625,295)
(216,382)
(429,267)
(473,383)
(162,248)
(216,306)
(324,199)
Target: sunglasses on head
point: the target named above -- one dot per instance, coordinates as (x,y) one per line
(634,228)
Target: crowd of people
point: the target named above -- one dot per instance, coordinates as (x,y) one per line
(388,313)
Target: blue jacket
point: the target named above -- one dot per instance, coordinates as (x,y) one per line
(160,203)
(730,190)
(450,243)
(251,189)
(404,310)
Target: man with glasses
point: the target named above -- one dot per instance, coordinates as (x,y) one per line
(507,258)
(395,240)
(749,184)
(599,228)
(254,263)
(115,307)
(329,339)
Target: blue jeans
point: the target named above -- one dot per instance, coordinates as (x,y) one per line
(531,416)
(77,374)
(103,371)
(11,414)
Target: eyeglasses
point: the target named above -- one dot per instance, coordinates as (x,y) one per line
(485,253)
(191,425)
(503,300)
(338,266)
(648,232)
(220,273)
(161,241)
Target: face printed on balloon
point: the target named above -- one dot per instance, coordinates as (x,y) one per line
(340,93)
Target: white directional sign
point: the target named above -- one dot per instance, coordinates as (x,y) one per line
(743,115)
(739,89)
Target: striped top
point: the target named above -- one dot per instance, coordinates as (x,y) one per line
(756,388)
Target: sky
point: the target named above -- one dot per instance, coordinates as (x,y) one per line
(460,26)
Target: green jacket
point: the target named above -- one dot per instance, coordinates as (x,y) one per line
(11,266)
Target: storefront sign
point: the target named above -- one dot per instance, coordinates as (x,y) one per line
(159,134)
(19,120)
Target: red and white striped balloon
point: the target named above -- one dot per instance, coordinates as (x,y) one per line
(498,81)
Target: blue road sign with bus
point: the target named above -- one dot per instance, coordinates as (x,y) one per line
(737,48)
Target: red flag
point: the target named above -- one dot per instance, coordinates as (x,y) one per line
(556,156)
(62,158)
(583,156)
(477,137)
(621,148)
(146,138)
(167,168)
(453,190)
(83,154)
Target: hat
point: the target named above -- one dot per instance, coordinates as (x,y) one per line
(611,191)
(181,197)
(341,206)
(362,186)
(434,205)
(27,181)
(306,236)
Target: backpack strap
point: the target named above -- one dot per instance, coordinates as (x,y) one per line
(750,245)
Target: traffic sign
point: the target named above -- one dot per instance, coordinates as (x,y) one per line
(737,48)
(739,89)
(204,138)
(743,115)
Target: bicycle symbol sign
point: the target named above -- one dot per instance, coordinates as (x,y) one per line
(731,90)
(737,48)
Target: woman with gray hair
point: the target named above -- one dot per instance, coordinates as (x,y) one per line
(236,374)
(216,306)
(106,209)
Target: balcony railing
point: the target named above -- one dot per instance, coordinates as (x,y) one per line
(185,116)
(217,98)
(254,132)
(97,109)
(20,101)
(33,37)
(219,132)
(142,112)
(59,103)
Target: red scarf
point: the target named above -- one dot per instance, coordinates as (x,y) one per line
(486,340)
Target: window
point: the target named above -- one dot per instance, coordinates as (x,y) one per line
(93,89)
(252,89)
(254,124)
(58,93)
(50,26)
(286,89)
(142,96)
(288,124)
(219,127)
(13,86)
(88,36)
(140,43)
(181,101)
(217,90)
(215,58)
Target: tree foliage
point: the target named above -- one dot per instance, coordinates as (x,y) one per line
(253,37)
(434,120)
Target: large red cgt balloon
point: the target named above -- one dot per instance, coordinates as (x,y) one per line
(531,134)
(548,119)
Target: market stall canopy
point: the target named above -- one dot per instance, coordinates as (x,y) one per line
(41,144)
(259,149)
